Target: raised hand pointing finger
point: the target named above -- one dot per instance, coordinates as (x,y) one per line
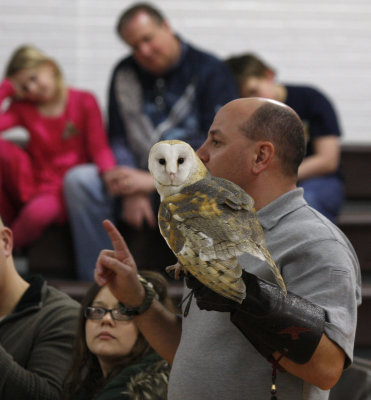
(119,245)
(118,270)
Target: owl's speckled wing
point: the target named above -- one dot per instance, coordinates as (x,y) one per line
(207,225)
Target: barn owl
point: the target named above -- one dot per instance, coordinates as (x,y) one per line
(206,221)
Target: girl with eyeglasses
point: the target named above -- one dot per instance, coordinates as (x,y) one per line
(112,359)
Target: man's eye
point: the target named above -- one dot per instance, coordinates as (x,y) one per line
(147,38)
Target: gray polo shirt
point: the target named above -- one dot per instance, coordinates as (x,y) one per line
(215,361)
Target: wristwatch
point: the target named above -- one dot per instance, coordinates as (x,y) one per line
(150,294)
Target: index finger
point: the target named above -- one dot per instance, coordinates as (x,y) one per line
(117,240)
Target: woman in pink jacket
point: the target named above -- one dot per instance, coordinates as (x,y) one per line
(65,129)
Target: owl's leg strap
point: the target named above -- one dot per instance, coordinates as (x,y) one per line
(273,321)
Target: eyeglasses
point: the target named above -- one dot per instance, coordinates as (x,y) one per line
(97,313)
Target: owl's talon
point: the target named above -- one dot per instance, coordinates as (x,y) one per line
(176,271)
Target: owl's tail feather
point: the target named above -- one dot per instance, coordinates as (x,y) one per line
(275,271)
(219,279)
(260,251)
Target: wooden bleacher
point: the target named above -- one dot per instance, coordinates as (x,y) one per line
(355,222)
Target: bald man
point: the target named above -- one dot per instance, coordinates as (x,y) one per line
(37,328)
(297,344)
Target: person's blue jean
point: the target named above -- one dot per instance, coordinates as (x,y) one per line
(325,194)
(88,205)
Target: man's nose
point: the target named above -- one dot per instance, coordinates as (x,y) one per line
(144,50)
(202,153)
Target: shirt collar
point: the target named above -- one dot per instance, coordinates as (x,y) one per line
(271,214)
(32,296)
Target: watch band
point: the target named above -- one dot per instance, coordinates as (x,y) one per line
(150,294)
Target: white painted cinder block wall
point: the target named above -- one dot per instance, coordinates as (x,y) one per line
(326,43)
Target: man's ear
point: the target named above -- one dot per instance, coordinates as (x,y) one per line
(6,237)
(269,74)
(166,25)
(264,156)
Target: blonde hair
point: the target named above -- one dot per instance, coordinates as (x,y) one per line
(27,57)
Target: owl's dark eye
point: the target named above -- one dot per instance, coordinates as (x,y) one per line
(162,161)
(180,160)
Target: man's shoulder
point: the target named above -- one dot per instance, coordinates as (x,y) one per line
(314,231)
(210,71)
(314,107)
(57,309)
(303,88)
(44,308)
(55,298)
(283,214)
(202,57)
(306,93)
(196,51)
(125,62)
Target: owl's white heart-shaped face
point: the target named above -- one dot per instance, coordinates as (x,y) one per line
(172,165)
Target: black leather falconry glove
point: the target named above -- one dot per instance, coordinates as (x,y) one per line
(270,320)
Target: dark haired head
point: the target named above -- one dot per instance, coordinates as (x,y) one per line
(131,12)
(281,126)
(247,66)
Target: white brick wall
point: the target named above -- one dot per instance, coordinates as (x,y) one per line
(326,43)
